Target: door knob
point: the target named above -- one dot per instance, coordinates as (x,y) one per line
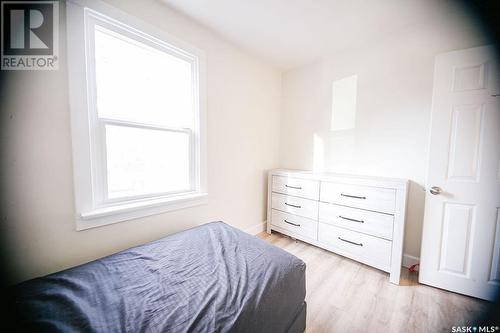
(435,190)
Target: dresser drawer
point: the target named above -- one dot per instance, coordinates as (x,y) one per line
(368,249)
(371,223)
(293,205)
(297,187)
(365,197)
(299,225)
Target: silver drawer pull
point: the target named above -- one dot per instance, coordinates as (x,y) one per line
(297,225)
(352,196)
(350,242)
(295,206)
(349,219)
(294,187)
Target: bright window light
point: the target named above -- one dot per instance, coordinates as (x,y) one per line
(144,161)
(150,94)
(344,94)
(137,98)
(139,83)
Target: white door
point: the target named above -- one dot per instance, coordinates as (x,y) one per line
(461,235)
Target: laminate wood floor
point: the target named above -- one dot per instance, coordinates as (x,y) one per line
(346,296)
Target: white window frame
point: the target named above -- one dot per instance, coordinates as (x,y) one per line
(93,208)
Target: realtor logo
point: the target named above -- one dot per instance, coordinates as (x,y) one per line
(30,35)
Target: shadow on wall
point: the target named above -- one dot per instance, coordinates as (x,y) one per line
(265,174)
(414,218)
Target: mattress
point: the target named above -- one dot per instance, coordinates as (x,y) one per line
(212,278)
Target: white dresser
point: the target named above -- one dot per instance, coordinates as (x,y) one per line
(359,217)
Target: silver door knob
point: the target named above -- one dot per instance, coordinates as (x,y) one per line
(435,190)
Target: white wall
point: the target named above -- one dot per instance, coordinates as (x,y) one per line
(37,226)
(393,110)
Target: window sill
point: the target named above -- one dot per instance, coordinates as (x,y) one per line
(129,211)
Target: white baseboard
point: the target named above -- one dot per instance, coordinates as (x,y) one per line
(409,260)
(256,228)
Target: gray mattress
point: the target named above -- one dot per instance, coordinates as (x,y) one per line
(212,278)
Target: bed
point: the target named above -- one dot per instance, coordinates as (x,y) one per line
(212,278)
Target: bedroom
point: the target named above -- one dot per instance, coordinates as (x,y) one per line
(333,88)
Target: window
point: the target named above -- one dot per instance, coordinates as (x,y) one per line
(137,117)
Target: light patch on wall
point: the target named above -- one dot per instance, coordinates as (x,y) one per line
(319,153)
(344,94)
(334,151)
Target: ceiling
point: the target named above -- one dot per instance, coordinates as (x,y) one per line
(290,33)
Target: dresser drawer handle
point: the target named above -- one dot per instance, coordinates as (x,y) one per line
(350,242)
(294,187)
(352,196)
(349,219)
(295,206)
(297,225)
